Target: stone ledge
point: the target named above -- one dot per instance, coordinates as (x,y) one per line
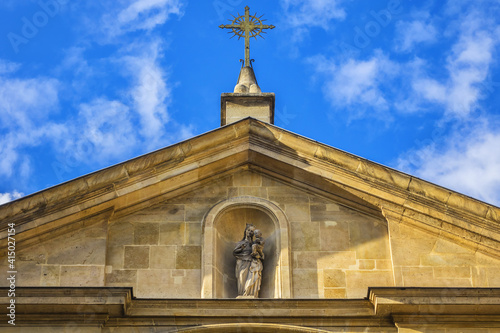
(113,307)
(435,301)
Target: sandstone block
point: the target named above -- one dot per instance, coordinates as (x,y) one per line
(121,277)
(28,273)
(162,257)
(247,178)
(287,195)
(324,259)
(188,257)
(173,212)
(77,251)
(445,246)
(50,275)
(305,279)
(146,233)
(159,283)
(195,212)
(136,257)
(298,213)
(359,281)
(479,277)
(259,192)
(335,293)
(156,283)
(115,256)
(334,236)
(456,259)
(407,252)
(79,276)
(232,192)
(305,236)
(366,264)
(121,233)
(305,293)
(193,233)
(267,182)
(341,259)
(329,212)
(452,272)
(383,264)
(493,274)
(172,233)
(369,238)
(334,278)
(418,276)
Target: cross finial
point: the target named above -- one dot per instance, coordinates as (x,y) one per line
(247,26)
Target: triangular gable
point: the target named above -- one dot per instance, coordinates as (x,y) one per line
(351,180)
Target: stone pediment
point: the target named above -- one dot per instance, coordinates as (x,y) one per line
(249,144)
(348,242)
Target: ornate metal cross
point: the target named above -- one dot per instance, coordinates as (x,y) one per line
(247,26)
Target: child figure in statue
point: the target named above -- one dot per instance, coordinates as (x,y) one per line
(258,245)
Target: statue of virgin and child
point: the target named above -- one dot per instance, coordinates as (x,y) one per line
(249,256)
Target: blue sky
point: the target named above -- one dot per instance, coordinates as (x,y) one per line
(413,85)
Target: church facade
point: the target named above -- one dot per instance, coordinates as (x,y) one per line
(350,245)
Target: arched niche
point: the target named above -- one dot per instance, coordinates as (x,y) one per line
(223,227)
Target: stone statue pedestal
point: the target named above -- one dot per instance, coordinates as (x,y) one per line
(245,297)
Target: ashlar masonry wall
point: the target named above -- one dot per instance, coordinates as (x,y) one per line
(423,259)
(336,252)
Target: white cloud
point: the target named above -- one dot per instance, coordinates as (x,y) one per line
(102,132)
(150,92)
(9,156)
(312,13)
(140,15)
(466,162)
(356,83)
(105,129)
(24,104)
(409,34)
(6,197)
(301,15)
(184,132)
(468,65)
(7,67)
(24,101)
(108,123)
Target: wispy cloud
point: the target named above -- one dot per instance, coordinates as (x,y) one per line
(302,15)
(136,120)
(7,67)
(356,83)
(312,13)
(410,34)
(150,93)
(9,196)
(24,104)
(102,129)
(467,162)
(24,101)
(140,15)
(467,65)
(102,132)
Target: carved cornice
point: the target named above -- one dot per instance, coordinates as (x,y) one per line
(383,308)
